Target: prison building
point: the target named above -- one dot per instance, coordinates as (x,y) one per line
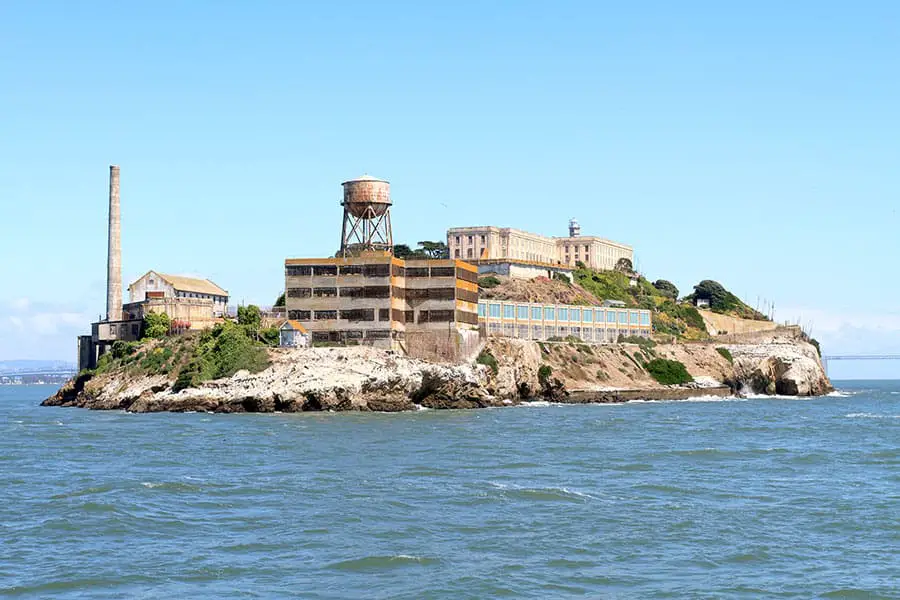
(414,306)
(504,244)
(533,321)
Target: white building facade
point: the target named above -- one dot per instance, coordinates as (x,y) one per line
(504,243)
(532,321)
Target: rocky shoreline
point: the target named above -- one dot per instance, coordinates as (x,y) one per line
(367,379)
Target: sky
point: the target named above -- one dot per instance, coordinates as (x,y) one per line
(755,144)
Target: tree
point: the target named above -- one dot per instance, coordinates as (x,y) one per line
(666,287)
(426,250)
(156,325)
(715,293)
(402,251)
(280,300)
(624,265)
(249,316)
(435,250)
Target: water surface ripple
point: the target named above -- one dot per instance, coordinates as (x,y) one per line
(784,498)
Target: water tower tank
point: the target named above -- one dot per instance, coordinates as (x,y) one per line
(367,197)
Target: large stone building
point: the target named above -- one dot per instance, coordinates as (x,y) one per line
(154,285)
(504,244)
(426,308)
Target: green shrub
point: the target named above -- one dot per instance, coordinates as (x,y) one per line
(121,349)
(815,344)
(488,282)
(668,372)
(486,358)
(155,360)
(643,342)
(156,325)
(544,373)
(726,354)
(270,336)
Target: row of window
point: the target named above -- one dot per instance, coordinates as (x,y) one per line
(201,296)
(521,312)
(377,270)
(384,315)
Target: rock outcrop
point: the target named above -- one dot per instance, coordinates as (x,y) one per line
(366,379)
(782,365)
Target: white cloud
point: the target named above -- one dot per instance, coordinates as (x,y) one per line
(20,304)
(849,332)
(40,331)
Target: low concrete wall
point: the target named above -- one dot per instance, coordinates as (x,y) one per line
(453,346)
(717,324)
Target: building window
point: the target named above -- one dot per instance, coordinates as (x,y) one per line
(588,315)
(469,253)
(325,315)
(325,292)
(299,315)
(610,316)
(327,270)
(623,316)
(384,314)
(470,239)
(299,292)
(575,314)
(535,313)
(522,313)
(634,318)
(549,314)
(645,318)
(509,311)
(563,314)
(457,239)
(456,253)
(296,270)
(482,239)
(482,309)
(152,282)
(495,311)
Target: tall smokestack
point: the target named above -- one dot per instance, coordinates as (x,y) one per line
(114,256)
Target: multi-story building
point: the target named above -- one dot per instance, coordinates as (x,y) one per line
(425,308)
(155,285)
(532,321)
(491,243)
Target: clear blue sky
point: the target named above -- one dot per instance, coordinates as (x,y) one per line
(757,144)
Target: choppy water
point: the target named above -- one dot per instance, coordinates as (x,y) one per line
(728,499)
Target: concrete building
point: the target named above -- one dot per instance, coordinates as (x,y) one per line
(154,285)
(425,308)
(533,321)
(477,244)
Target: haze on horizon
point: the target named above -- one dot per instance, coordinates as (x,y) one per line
(755,145)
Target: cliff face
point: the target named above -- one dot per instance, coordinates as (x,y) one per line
(366,379)
(780,365)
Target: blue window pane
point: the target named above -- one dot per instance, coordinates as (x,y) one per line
(634,318)
(495,311)
(588,315)
(623,316)
(645,318)
(482,309)
(610,316)
(549,314)
(563,314)
(522,312)
(509,311)
(535,313)
(575,314)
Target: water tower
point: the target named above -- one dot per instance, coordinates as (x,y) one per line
(367,216)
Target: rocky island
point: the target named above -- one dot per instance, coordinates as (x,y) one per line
(165,374)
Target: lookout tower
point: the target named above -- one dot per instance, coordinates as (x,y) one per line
(367,216)
(574,228)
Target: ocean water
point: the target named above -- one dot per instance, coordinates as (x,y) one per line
(766,497)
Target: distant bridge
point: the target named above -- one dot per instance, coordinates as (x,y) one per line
(830,357)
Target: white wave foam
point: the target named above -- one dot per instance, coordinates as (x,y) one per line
(419,407)
(150,484)
(695,399)
(870,416)
(838,394)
